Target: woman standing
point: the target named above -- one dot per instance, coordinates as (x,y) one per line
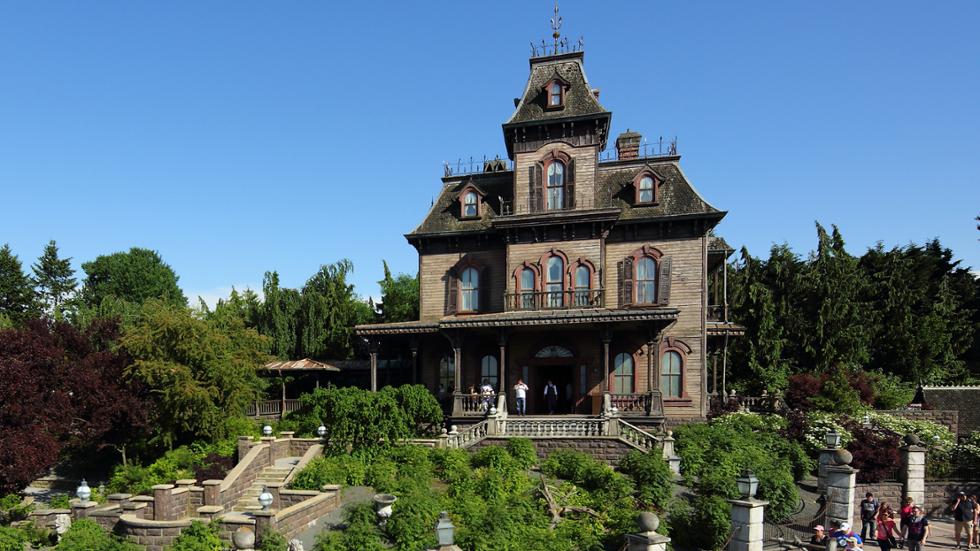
(885,529)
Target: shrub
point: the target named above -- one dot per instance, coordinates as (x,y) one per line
(705,523)
(360,534)
(13,508)
(523,452)
(60,501)
(412,520)
(651,476)
(382,474)
(198,537)
(875,454)
(86,535)
(272,541)
(421,408)
(11,539)
(350,470)
(567,464)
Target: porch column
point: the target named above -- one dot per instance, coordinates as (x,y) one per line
(606,339)
(414,347)
(373,349)
(458,364)
(650,354)
(502,341)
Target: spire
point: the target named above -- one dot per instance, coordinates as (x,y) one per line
(556,26)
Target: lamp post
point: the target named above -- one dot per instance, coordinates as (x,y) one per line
(832,439)
(321,431)
(748,484)
(747,514)
(446,533)
(83,492)
(265,499)
(267,431)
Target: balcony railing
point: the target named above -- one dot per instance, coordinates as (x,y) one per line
(632,403)
(716,312)
(553,300)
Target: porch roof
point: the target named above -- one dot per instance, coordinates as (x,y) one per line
(723,328)
(397,328)
(305,364)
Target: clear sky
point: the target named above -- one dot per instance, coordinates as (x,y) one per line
(236,137)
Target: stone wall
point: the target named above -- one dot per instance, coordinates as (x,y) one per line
(244,473)
(608,449)
(946,418)
(940,494)
(890,492)
(292,520)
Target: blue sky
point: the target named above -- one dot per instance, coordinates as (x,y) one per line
(242,136)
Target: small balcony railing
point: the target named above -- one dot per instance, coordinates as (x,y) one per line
(553,300)
(716,312)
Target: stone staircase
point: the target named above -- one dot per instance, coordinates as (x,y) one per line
(276,473)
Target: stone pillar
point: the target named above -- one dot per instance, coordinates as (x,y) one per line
(163,502)
(747,518)
(841,480)
(244,444)
(648,539)
(606,339)
(273,488)
(374,369)
(502,384)
(270,441)
(212,492)
(80,510)
(825,458)
(264,522)
(118,499)
(667,446)
(913,473)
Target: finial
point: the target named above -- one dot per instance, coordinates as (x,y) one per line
(556,27)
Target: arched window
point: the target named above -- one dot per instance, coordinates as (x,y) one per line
(554,94)
(582,285)
(471,207)
(447,375)
(489,371)
(469,290)
(554,279)
(527,289)
(623,374)
(646,280)
(555,192)
(645,193)
(671,365)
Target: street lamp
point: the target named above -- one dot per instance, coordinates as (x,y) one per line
(83,492)
(445,530)
(748,484)
(321,431)
(832,439)
(267,431)
(265,499)
(866,421)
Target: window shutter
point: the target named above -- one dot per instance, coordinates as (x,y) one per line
(532,189)
(484,289)
(570,185)
(626,282)
(452,291)
(663,281)
(538,187)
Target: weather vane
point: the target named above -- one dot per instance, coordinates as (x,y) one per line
(556,26)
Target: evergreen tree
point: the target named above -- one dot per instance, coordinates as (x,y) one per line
(17,299)
(329,311)
(399,297)
(55,281)
(133,276)
(278,317)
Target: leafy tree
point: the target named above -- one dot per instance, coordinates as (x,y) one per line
(279,316)
(399,297)
(329,310)
(134,276)
(17,299)
(764,367)
(245,307)
(55,281)
(200,374)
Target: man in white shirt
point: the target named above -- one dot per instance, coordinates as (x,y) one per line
(551,396)
(520,396)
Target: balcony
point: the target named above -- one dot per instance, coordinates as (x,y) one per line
(553,300)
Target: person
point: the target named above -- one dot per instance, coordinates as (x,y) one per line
(905,513)
(486,391)
(520,396)
(917,529)
(976,520)
(819,537)
(843,533)
(963,512)
(854,543)
(885,529)
(551,396)
(869,510)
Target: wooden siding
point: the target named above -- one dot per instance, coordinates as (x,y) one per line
(433,269)
(585,173)
(586,249)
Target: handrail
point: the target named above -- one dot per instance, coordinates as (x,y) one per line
(516,426)
(468,436)
(630,403)
(639,437)
(554,300)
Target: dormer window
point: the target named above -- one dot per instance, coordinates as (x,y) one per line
(556,94)
(471,205)
(646,184)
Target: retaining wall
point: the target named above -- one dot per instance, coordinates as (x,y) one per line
(608,449)
(947,418)
(890,492)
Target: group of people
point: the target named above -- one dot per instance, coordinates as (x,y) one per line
(878,521)
(520,396)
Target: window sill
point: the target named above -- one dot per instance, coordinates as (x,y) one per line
(646,204)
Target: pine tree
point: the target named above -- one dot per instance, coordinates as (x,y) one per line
(17,298)
(54,278)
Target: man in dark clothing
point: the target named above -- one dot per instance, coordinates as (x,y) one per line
(917,529)
(551,396)
(869,510)
(963,511)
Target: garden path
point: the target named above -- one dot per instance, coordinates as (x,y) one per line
(276,473)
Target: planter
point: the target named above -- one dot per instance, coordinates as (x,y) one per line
(382,504)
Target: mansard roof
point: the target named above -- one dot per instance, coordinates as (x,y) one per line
(613,190)
(579,100)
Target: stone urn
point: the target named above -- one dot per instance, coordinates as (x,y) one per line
(244,539)
(647,522)
(382,504)
(841,457)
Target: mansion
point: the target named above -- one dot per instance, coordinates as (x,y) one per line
(595,271)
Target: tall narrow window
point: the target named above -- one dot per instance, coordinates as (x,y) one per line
(623,373)
(670,373)
(469,290)
(554,279)
(646,193)
(555,94)
(470,205)
(447,375)
(489,371)
(582,284)
(556,185)
(646,280)
(527,289)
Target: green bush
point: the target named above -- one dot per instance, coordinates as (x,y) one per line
(567,464)
(412,522)
(360,534)
(705,523)
(11,539)
(198,537)
(87,535)
(178,463)
(272,541)
(382,475)
(523,452)
(651,476)
(13,508)
(349,470)
(421,408)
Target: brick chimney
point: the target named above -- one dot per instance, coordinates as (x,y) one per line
(628,145)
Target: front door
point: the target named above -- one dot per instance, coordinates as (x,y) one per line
(563,378)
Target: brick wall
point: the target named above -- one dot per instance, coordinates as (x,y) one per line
(940,494)
(292,520)
(608,449)
(244,473)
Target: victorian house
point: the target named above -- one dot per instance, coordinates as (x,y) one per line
(595,270)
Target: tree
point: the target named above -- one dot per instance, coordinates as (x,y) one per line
(133,277)
(200,373)
(279,316)
(399,297)
(55,281)
(329,310)
(17,299)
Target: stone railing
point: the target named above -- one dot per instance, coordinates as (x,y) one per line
(638,437)
(468,436)
(535,428)
(472,405)
(632,403)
